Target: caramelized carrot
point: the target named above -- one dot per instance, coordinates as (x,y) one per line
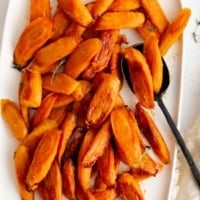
(40,8)
(56,50)
(14,119)
(34,36)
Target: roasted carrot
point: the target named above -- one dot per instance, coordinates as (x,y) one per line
(56,50)
(174,30)
(80,58)
(22,161)
(77,11)
(31,88)
(140,76)
(118,20)
(14,119)
(40,8)
(43,158)
(34,36)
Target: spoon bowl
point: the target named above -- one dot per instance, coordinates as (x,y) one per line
(158,97)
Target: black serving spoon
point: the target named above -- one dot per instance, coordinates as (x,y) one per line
(158,98)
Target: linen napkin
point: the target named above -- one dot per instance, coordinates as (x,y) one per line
(186,187)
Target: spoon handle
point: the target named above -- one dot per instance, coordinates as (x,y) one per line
(180,141)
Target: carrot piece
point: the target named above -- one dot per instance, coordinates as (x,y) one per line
(98,145)
(63,100)
(44,110)
(31,88)
(99,184)
(80,58)
(60,24)
(68,179)
(125,130)
(40,8)
(43,69)
(101,59)
(155,14)
(51,186)
(32,38)
(145,168)
(118,20)
(33,138)
(67,128)
(73,144)
(84,173)
(100,6)
(128,187)
(80,92)
(58,114)
(140,76)
(121,5)
(43,158)
(84,194)
(106,166)
(56,50)
(114,63)
(174,30)
(103,100)
(109,193)
(59,83)
(75,27)
(77,11)
(22,162)
(24,110)
(154,60)
(14,119)
(153,135)
(148,29)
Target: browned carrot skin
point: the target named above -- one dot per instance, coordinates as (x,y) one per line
(140,76)
(154,60)
(12,116)
(84,173)
(155,14)
(103,100)
(40,165)
(128,5)
(69,179)
(22,161)
(118,20)
(100,6)
(128,187)
(34,36)
(174,30)
(51,186)
(102,57)
(43,111)
(125,128)
(56,50)
(40,8)
(153,135)
(60,23)
(76,64)
(59,83)
(77,11)
(31,88)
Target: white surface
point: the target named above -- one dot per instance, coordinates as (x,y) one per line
(155,188)
(189,189)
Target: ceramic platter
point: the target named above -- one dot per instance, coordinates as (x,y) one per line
(156,188)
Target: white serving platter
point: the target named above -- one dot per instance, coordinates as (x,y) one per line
(158,188)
